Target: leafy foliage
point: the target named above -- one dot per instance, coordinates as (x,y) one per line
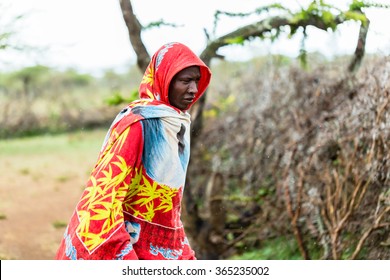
(158,24)
(117,99)
(318,13)
(40,99)
(8,27)
(258,11)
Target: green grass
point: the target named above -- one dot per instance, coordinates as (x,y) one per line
(57,157)
(279,248)
(59,224)
(3,257)
(52,144)
(63,178)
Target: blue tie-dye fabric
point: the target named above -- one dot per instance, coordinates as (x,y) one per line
(166,144)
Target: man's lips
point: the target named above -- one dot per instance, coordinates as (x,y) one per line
(189,99)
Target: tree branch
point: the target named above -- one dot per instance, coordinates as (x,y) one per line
(360,47)
(134,27)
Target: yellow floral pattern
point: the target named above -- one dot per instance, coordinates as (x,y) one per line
(145,197)
(100,208)
(148,78)
(115,186)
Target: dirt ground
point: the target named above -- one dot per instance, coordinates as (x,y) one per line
(40,184)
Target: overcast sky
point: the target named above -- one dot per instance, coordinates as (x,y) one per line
(90,35)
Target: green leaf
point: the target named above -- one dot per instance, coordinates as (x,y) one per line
(358,16)
(237,40)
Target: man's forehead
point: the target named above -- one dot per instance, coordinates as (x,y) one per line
(190,70)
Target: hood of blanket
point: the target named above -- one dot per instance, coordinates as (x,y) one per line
(165,64)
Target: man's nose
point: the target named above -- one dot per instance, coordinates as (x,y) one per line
(193,88)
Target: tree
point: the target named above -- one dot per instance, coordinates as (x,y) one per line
(318,14)
(29,76)
(8,25)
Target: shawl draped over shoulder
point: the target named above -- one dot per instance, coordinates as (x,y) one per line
(130,208)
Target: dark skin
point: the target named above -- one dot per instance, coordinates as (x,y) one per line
(184,87)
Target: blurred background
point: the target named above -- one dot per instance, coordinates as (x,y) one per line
(290,157)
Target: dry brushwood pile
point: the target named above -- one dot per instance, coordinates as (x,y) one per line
(303,154)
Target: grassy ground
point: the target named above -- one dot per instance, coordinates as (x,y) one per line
(41,181)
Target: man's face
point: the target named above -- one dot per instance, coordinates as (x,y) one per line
(184,87)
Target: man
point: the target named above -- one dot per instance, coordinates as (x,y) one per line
(131,206)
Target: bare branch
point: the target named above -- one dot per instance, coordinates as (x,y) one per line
(134,27)
(367,233)
(360,47)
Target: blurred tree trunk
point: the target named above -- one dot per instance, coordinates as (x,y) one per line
(360,48)
(134,27)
